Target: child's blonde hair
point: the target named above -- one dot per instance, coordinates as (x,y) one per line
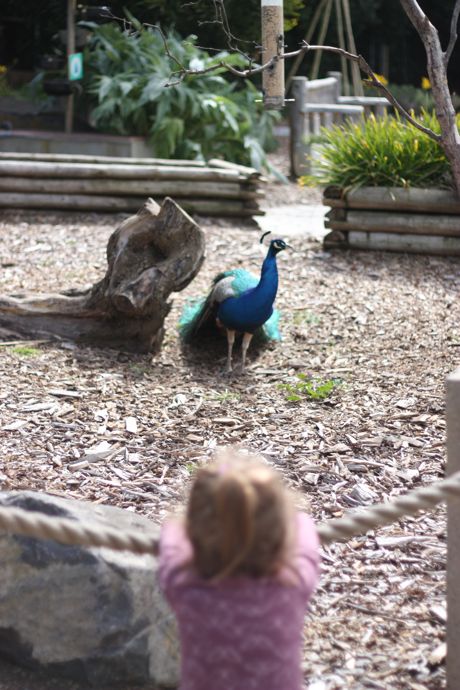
(238,518)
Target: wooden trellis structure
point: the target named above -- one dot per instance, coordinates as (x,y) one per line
(345,38)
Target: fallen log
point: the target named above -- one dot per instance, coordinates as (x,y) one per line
(439,201)
(251,173)
(43,169)
(85,158)
(397,222)
(120,204)
(156,188)
(417,244)
(151,254)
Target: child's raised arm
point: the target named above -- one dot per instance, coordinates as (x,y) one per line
(175,552)
(306,554)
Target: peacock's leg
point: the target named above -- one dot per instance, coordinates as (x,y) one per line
(247,337)
(230,341)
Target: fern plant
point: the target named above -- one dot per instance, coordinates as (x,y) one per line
(133,92)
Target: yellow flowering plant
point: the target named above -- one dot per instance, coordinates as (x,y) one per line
(384,151)
(381,78)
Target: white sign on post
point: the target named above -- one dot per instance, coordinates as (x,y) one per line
(75,66)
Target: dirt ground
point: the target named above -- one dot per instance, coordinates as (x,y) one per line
(384,327)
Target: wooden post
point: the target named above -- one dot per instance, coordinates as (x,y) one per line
(272,46)
(338,89)
(299,128)
(453,535)
(71,7)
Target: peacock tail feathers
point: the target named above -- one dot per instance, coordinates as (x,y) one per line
(271,327)
(190,316)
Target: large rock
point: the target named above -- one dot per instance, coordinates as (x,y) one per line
(94,615)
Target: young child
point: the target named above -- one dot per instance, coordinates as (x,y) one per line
(238,573)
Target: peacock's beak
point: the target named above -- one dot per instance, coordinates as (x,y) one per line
(289,246)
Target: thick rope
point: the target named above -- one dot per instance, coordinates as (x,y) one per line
(73,533)
(381,514)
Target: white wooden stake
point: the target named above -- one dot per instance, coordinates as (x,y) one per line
(272,46)
(453,535)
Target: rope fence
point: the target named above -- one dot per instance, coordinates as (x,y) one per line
(72,533)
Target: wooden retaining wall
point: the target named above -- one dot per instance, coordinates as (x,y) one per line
(95,183)
(423,221)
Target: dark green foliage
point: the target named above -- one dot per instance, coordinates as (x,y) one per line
(382,152)
(200,17)
(29,27)
(208,116)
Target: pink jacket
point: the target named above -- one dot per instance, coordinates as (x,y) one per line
(242,633)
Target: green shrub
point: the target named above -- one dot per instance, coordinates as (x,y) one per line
(26,351)
(308,387)
(382,152)
(201,117)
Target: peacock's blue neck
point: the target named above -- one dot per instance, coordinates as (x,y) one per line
(268,282)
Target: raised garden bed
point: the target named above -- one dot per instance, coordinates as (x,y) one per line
(425,221)
(112,184)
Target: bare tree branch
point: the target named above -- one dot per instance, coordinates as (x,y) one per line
(364,67)
(453,33)
(416,15)
(178,76)
(306,47)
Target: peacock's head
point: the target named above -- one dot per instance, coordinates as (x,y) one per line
(276,245)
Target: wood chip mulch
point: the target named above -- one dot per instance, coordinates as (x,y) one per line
(129,430)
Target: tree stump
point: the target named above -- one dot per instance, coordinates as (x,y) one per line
(157,251)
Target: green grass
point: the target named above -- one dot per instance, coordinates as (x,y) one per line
(226,396)
(382,152)
(304,316)
(24,351)
(309,387)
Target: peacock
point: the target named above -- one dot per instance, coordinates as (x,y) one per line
(238,302)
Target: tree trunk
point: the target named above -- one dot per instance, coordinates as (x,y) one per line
(437,71)
(151,254)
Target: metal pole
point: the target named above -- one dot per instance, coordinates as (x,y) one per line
(71,7)
(273,46)
(453,535)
